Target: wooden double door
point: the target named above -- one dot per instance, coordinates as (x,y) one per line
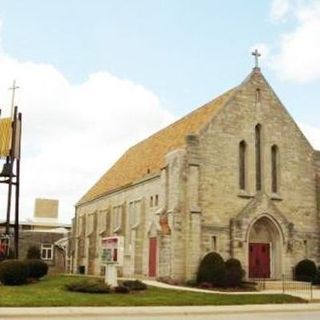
(259,260)
(152,257)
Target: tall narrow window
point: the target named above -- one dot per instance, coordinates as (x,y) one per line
(258,95)
(242,165)
(274,168)
(258,156)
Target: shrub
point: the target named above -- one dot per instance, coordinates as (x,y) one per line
(305,270)
(88,286)
(36,268)
(212,270)
(135,285)
(13,272)
(121,289)
(234,273)
(191,283)
(33,253)
(316,279)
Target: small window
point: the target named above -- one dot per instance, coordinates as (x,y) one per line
(156,200)
(47,251)
(258,95)
(151,201)
(214,243)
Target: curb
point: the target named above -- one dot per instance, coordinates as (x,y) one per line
(151,311)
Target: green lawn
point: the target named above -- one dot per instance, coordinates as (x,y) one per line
(50,292)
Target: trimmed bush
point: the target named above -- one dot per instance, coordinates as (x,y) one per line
(316,280)
(33,253)
(88,286)
(191,283)
(305,270)
(13,272)
(212,270)
(234,273)
(121,289)
(135,285)
(36,268)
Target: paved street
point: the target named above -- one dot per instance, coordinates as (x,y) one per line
(304,315)
(248,312)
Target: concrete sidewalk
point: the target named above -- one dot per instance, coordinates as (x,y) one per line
(61,312)
(297,293)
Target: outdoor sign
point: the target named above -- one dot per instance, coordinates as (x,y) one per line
(112,250)
(4,247)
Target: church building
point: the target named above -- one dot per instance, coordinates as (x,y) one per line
(235,176)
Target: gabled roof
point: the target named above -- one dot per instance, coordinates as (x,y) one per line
(148,156)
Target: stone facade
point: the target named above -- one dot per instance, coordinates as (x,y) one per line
(195,203)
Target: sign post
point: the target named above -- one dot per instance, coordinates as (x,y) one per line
(112,257)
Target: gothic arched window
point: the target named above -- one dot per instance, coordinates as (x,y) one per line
(274,168)
(242,164)
(258,157)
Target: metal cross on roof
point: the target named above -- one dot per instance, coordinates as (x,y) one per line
(13,88)
(256,55)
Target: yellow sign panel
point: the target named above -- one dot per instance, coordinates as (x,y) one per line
(5,136)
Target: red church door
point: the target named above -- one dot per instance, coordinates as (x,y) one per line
(259,260)
(152,257)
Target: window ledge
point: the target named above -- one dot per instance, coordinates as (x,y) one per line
(116,230)
(135,226)
(244,194)
(276,197)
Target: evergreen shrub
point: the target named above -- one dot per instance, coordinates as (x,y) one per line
(13,272)
(212,270)
(135,285)
(121,289)
(234,273)
(36,268)
(305,270)
(88,286)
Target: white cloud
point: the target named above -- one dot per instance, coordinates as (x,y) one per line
(312,134)
(299,50)
(280,9)
(73,133)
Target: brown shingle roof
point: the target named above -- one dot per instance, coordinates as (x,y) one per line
(149,154)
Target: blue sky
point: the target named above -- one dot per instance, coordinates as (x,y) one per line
(167,57)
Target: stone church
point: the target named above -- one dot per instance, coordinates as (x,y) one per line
(235,176)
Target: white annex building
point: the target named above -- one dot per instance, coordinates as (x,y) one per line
(235,176)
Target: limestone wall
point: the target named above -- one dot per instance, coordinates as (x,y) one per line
(221,200)
(94,221)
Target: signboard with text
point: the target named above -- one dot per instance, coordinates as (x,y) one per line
(112,250)
(4,247)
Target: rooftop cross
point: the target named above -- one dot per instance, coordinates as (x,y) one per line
(13,88)
(256,55)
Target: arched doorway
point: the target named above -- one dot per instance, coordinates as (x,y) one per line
(264,249)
